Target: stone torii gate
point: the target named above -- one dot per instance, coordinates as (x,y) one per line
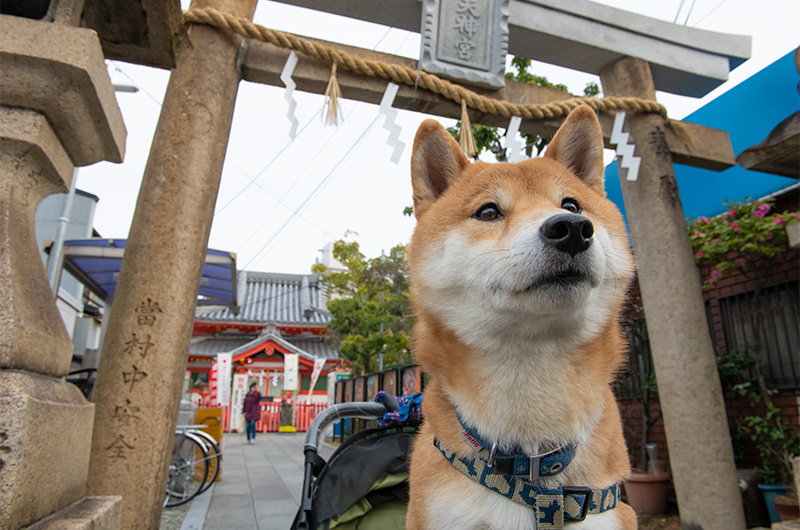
(144,352)
(696,425)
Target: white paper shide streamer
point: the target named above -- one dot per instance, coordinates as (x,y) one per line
(389,124)
(625,157)
(513,145)
(288,95)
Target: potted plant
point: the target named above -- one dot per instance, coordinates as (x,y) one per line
(648,492)
(777,440)
(647,488)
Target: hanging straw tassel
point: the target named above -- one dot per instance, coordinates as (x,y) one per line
(332,95)
(466,140)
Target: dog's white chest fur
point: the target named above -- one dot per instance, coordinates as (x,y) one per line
(531,402)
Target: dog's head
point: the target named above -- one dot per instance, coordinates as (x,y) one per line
(525,251)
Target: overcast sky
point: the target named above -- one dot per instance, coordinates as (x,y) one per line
(281,201)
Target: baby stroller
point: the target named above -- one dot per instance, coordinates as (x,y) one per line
(363,485)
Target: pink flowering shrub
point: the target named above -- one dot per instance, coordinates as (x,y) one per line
(751,229)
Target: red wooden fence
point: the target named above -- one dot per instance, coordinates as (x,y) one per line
(270,417)
(226,419)
(302,416)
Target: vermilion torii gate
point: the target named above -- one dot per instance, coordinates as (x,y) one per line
(179,188)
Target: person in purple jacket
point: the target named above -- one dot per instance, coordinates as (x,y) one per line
(252,411)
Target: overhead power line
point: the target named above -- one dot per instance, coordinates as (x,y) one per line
(709,13)
(295,211)
(269,164)
(691,8)
(314,191)
(679,12)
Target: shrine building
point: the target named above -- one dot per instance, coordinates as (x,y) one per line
(277,314)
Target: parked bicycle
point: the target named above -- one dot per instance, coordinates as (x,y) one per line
(195,464)
(84,380)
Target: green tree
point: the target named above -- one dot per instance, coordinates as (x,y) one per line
(370,305)
(489,139)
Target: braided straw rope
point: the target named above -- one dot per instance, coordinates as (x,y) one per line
(412,77)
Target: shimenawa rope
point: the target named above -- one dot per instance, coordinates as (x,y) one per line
(409,76)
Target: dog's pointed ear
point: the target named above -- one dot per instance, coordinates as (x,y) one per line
(578,145)
(436,162)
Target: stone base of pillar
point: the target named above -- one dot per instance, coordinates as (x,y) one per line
(45,441)
(89,513)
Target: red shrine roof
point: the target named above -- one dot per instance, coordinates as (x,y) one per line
(285,308)
(308,346)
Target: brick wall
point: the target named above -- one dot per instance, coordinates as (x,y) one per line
(782,268)
(737,409)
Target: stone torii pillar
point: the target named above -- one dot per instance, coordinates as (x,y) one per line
(700,451)
(141,370)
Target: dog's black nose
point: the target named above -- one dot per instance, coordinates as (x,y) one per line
(568,232)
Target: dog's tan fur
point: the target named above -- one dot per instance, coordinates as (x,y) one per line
(525,366)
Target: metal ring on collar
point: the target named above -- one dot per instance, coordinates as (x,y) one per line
(534,471)
(492,454)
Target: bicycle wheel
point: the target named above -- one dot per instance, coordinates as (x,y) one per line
(214,458)
(188,469)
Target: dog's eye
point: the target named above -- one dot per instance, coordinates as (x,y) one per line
(487,212)
(571,205)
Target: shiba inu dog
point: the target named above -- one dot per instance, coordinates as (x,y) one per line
(518,273)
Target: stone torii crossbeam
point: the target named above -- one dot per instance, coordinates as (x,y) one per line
(130,458)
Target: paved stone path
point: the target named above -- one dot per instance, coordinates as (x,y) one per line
(261,484)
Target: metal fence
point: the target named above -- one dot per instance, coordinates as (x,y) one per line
(398,381)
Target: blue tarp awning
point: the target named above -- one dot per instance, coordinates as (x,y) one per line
(748,111)
(96,263)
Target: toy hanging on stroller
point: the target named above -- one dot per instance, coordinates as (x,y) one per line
(364,483)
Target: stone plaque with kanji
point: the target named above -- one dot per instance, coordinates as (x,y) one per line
(465,40)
